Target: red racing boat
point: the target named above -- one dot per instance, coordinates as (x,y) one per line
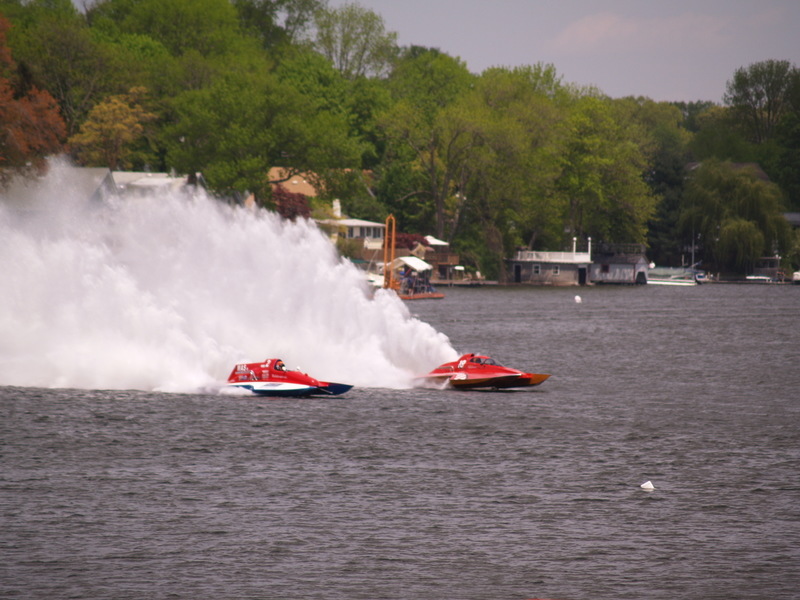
(272,378)
(476,371)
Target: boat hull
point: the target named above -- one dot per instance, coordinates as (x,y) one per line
(271,378)
(291,390)
(473,371)
(527,380)
(422,296)
(669,281)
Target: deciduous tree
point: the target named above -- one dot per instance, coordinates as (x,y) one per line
(276,22)
(735,215)
(603,176)
(58,50)
(290,205)
(759,95)
(31,127)
(205,26)
(355,40)
(243,124)
(511,175)
(113,125)
(666,140)
(432,145)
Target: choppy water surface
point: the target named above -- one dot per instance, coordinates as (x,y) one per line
(421,494)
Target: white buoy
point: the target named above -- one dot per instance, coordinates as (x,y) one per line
(648,485)
(578,299)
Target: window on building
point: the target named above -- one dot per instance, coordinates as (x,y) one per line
(556,269)
(537,269)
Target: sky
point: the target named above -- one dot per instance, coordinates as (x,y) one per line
(666,50)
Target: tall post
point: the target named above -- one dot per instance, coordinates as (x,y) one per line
(389,240)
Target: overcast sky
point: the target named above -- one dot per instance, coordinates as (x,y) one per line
(662,49)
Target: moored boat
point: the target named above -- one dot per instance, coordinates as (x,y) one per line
(674,276)
(671,281)
(759,279)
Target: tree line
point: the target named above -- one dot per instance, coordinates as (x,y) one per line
(491,162)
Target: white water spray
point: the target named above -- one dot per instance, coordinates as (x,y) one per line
(167,292)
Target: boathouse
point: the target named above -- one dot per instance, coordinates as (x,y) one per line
(619,263)
(533,267)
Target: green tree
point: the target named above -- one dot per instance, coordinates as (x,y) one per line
(240,126)
(758,94)
(429,145)
(366,100)
(353,188)
(720,135)
(690,112)
(356,103)
(793,251)
(206,26)
(603,182)
(734,215)
(222,132)
(58,50)
(511,173)
(355,40)
(740,242)
(787,167)
(315,78)
(276,22)
(202,39)
(430,79)
(666,140)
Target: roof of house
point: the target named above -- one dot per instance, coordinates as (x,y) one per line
(432,241)
(352,223)
(140,181)
(620,259)
(755,168)
(298,184)
(793,218)
(561,258)
(417,264)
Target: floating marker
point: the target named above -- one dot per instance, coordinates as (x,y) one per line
(578,299)
(648,485)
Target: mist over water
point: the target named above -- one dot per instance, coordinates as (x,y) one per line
(167,292)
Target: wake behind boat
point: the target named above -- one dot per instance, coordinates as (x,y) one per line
(272,378)
(476,371)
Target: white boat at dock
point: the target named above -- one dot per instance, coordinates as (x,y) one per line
(674,276)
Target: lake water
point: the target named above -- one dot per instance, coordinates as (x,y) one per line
(427,494)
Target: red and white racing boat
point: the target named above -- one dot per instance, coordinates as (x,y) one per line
(476,371)
(272,378)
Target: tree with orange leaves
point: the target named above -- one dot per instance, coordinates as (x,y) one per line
(31,127)
(113,125)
